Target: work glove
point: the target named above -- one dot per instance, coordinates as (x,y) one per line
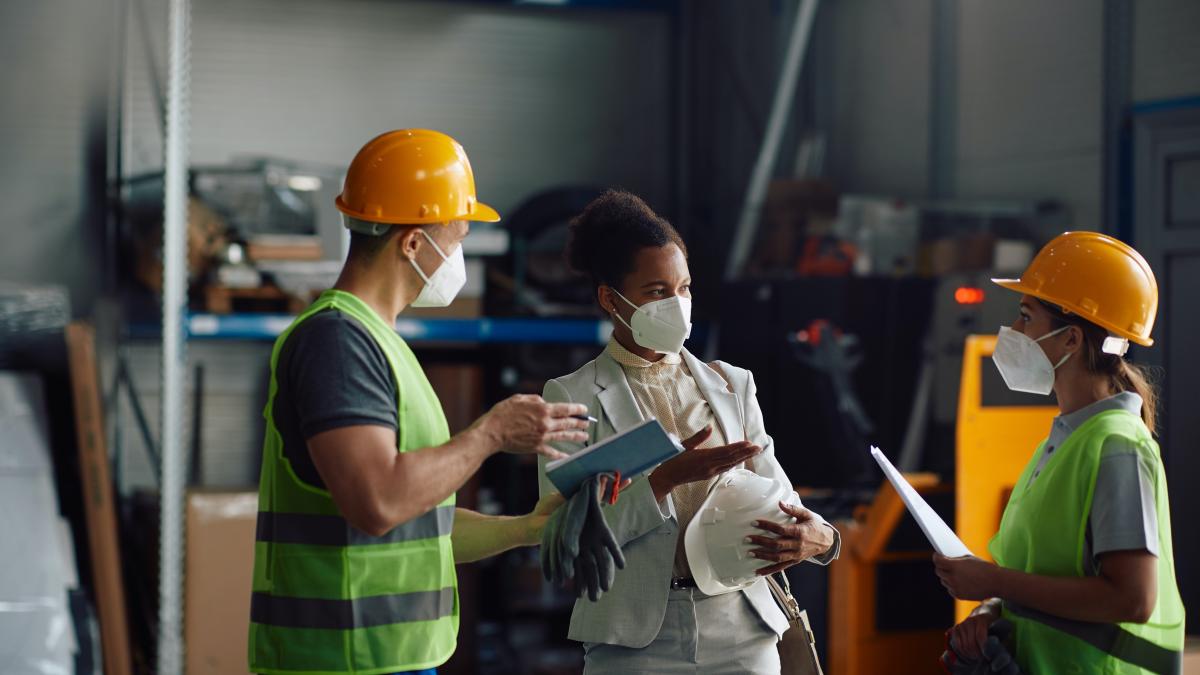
(578,544)
(997,660)
(560,539)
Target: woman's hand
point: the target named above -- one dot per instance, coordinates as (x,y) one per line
(969,636)
(696,463)
(968,577)
(793,542)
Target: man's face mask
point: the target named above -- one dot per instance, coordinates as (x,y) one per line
(662,325)
(445,282)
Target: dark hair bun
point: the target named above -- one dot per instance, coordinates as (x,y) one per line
(605,239)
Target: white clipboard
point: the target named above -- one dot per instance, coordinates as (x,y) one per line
(936,530)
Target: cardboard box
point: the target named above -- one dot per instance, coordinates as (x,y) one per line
(219,573)
(968,253)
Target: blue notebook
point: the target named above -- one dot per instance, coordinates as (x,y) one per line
(631,452)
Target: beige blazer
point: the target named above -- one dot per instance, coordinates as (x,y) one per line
(631,614)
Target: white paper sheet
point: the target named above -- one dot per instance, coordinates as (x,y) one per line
(936,530)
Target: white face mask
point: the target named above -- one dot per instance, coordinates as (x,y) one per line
(662,325)
(1023,364)
(445,282)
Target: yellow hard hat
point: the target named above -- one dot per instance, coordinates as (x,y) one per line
(1097,277)
(412,177)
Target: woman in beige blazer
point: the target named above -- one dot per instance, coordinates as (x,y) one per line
(655,619)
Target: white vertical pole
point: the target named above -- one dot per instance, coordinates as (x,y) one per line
(785,93)
(174,341)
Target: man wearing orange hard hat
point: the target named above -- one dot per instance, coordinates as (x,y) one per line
(358,534)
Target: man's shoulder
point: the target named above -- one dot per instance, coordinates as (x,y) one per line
(328,329)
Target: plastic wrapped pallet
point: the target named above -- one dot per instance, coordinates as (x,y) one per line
(32,319)
(37,563)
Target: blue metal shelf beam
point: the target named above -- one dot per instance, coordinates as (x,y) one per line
(498,330)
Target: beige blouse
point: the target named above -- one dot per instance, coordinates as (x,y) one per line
(666,391)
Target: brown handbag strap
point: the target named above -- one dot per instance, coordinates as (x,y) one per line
(781,589)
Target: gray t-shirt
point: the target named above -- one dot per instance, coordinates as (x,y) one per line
(1124,516)
(331,374)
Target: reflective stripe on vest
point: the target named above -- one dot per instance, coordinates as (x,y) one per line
(324,530)
(1110,639)
(376,610)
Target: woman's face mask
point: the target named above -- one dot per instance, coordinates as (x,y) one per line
(1022,362)
(662,326)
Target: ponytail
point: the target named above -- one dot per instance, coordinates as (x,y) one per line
(1130,377)
(1122,375)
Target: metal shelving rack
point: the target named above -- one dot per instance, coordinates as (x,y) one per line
(174,339)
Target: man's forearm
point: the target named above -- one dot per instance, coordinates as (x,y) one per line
(422,479)
(477,536)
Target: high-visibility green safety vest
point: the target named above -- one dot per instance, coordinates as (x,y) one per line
(327,597)
(1043,531)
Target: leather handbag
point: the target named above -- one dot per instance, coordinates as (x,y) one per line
(798,646)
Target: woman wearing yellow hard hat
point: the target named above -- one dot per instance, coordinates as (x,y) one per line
(1084,568)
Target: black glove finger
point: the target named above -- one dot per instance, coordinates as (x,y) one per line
(1001,628)
(593,577)
(609,541)
(602,534)
(580,578)
(574,520)
(996,654)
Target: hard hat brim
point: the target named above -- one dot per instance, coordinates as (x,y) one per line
(1019,287)
(481,214)
(484,214)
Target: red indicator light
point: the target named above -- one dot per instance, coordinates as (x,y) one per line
(967,295)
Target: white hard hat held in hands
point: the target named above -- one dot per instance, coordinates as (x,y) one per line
(715,539)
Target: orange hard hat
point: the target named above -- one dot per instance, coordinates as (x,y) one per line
(412,177)
(1097,277)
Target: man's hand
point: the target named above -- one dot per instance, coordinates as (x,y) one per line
(793,542)
(535,520)
(968,577)
(526,424)
(696,463)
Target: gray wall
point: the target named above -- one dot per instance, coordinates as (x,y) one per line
(1026,105)
(1166,49)
(879,72)
(538,97)
(1030,103)
(53,100)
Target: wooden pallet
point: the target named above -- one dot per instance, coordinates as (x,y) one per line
(226,300)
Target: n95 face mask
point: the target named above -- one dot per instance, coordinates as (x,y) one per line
(1023,364)
(445,282)
(663,325)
